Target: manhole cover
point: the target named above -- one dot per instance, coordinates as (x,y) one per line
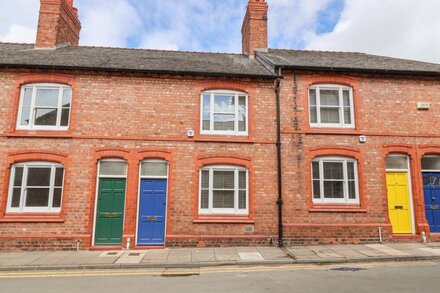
(348,269)
(134,254)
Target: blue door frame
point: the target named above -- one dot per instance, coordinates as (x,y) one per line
(431,190)
(152,212)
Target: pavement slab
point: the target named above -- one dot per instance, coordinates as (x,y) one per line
(250,256)
(131,257)
(272,253)
(156,256)
(226,254)
(387,250)
(179,256)
(203,255)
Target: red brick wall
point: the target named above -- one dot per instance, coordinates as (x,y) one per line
(135,117)
(386,112)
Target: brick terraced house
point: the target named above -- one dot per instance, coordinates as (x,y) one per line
(110,148)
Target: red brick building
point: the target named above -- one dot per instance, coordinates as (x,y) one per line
(107,148)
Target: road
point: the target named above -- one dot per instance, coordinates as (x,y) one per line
(375,277)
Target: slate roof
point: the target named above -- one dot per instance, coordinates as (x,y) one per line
(345,61)
(131,60)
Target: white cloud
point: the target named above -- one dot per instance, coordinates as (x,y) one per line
(291,21)
(18,33)
(18,20)
(108,22)
(404,28)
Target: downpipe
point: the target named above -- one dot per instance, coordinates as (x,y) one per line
(279,166)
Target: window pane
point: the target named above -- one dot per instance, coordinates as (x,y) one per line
(329,97)
(241,113)
(25,112)
(333,170)
(37,197)
(223,179)
(225,122)
(15,201)
(350,170)
(18,178)
(57,197)
(154,168)
(38,177)
(347,115)
(333,189)
(59,173)
(206,112)
(205,179)
(223,199)
(316,189)
(312,97)
(47,98)
(46,117)
(396,162)
(346,98)
(242,180)
(351,190)
(65,113)
(108,168)
(204,200)
(431,163)
(224,104)
(330,115)
(242,199)
(27,97)
(67,96)
(313,114)
(315,170)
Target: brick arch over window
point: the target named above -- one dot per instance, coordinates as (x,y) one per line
(330,151)
(23,79)
(35,156)
(230,160)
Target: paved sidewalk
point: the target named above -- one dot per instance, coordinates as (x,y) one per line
(202,257)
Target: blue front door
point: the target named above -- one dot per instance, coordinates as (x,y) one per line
(431,189)
(152,208)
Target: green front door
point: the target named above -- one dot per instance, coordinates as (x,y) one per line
(110,211)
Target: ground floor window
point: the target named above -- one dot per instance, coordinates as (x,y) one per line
(224,190)
(36,187)
(335,180)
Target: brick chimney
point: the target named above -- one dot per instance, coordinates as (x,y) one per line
(254,29)
(58,24)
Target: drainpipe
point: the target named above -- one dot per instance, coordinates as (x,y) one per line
(280,189)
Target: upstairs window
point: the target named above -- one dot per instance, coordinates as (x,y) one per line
(335,180)
(331,106)
(224,190)
(224,113)
(45,107)
(36,187)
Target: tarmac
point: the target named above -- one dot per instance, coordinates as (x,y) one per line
(218,256)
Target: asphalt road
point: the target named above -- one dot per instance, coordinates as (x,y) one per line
(378,277)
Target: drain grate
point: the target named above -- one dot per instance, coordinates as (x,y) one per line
(348,269)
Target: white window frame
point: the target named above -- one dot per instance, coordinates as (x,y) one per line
(214,93)
(35,86)
(340,88)
(22,208)
(223,211)
(344,161)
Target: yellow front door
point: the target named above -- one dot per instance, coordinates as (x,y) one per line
(399,207)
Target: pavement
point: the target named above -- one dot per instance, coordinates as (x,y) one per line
(221,256)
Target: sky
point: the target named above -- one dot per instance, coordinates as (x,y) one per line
(399,28)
